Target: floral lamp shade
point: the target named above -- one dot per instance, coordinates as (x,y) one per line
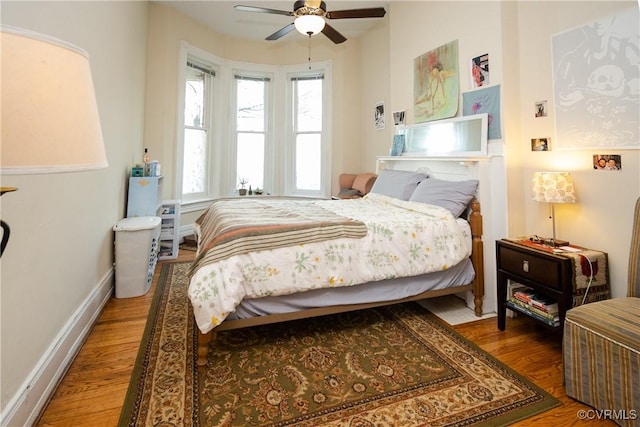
(553,187)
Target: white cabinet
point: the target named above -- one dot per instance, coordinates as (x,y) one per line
(145,195)
(169,229)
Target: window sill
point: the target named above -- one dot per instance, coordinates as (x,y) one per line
(202,204)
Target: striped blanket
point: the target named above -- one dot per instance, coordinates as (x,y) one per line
(238,226)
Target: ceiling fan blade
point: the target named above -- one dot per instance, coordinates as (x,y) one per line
(332,34)
(262,10)
(374,12)
(281,32)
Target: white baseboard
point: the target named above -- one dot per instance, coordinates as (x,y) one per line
(24,408)
(186,230)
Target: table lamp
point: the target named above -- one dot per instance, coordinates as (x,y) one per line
(552,188)
(50,121)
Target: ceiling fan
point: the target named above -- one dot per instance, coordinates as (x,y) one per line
(310,16)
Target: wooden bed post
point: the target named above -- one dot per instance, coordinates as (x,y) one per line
(204,340)
(477,255)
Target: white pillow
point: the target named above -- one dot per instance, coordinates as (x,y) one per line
(397,183)
(452,195)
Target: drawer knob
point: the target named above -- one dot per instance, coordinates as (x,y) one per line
(525,266)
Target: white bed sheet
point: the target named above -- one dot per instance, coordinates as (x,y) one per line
(385,290)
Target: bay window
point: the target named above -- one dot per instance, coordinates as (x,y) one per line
(264,125)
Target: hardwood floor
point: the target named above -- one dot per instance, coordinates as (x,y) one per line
(94,388)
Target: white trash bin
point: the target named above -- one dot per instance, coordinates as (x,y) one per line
(137,242)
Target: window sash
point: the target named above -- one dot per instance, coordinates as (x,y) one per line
(307,143)
(252,140)
(196,135)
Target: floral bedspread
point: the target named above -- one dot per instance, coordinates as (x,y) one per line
(224,230)
(403,239)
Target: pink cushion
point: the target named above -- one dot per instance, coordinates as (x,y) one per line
(364,182)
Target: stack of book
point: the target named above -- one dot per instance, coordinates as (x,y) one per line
(528,301)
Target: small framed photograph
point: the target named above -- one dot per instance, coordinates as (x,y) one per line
(379,116)
(480,71)
(607,162)
(541,144)
(398,118)
(541,108)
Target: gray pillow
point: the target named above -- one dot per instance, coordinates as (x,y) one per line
(452,195)
(349,193)
(396,183)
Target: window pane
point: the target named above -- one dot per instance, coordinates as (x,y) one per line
(194,173)
(250,114)
(250,159)
(194,99)
(309,100)
(308,162)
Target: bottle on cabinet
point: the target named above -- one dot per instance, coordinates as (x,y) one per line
(145,157)
(150,167)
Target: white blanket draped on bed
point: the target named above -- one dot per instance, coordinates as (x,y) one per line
(403,239)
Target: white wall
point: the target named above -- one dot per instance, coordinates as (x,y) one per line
(603,215)
(517,36)
(375,88)
(57,268)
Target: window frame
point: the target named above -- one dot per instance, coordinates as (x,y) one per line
(207,120)
(302,72)
(215,114)
(268,77)
(279,165)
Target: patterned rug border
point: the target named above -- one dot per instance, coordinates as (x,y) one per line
(548,403)
(131,407)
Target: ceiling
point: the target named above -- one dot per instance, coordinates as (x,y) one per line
(223,18)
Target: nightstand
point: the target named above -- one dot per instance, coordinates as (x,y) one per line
(569,277)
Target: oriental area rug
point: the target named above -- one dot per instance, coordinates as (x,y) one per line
(392,366)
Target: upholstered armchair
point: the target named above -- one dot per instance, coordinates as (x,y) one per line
(353,186)
(601,347)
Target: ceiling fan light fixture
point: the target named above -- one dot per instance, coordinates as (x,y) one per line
(309,24)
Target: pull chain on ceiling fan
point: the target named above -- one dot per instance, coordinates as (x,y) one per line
(310,18)
(310,50)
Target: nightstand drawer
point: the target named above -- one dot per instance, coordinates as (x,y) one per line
(536,268)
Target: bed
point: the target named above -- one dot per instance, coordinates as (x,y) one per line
(264,260)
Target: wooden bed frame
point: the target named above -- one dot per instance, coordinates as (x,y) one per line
(476,287)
